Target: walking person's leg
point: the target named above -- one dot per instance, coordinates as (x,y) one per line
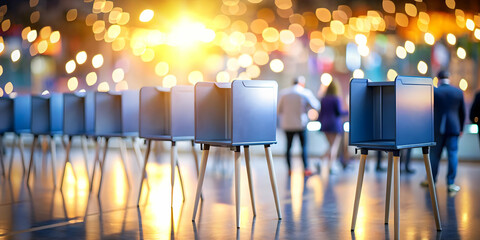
(303,141)
(451,142)
(435,156)
(289,146)
(334,141)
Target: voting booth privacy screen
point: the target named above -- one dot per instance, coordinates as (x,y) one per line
(391,115)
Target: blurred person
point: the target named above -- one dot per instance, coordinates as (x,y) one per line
(405,157)
(379,167)
(475,112)
(449,117)
(330,118)
(293,105)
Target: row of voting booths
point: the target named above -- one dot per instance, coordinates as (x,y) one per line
(232,115)
(386,116)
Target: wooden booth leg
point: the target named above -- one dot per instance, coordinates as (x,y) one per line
(102,166)
(22,153)
(249,176)
(396,193)
(431,186)
(67,159)
(95,161)
(238,167)
(273,179)
(147,154)
(53,155)
(84,143)
(124,154)
(35,139)
(203,167)
(180,178)
(173,164)
(12,154)
(358,191)
(197,163)
(389,187)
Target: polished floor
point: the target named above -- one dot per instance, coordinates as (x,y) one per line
(317,207)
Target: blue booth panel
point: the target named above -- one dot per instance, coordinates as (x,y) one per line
(22,107)
(391,115)
(182,113)
(6,117)
(74,114)
(155,113)
(167,114)
(116,113)
(47,114)
(90,113)
(239,113)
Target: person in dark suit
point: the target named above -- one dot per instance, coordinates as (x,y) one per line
(475,112)
(449,118)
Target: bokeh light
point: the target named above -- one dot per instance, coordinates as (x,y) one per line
(103,87)
(70,66)
(118,75)
(72,84)
(169,81)
(194,77)
(81,57)
(276,65)
(463,84)
(146,15)
(326,79)
(91,78)
(461,53)
(358,73)
(161,69)
(97,61)
(422,67)
(451,39)
(15,55)
(401,52)
(8,88)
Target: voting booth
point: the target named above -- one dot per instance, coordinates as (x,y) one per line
(46,121)
(167,114)
(235,114)
(390,116)
(115,114)
(16,119)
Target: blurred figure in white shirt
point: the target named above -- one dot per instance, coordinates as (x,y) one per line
(293,105)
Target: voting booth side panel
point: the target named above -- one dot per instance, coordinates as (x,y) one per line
(22,106)
(212,112)
(183,116)
(154,112)
(361,112)
(74,114)
(90,113)
(108,114)
(56,113)
(40,123)
(414,99)
(130,112)
(254,104)
(6,108)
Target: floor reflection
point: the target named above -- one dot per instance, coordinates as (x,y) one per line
(316,207)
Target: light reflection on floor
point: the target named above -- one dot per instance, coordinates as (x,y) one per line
(316,207)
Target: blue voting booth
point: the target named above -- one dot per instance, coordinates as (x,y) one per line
(6,125)
(47,121)
(115,114)
(77,122)
(16,119)
(240,113)
(390,116)
(167,115)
